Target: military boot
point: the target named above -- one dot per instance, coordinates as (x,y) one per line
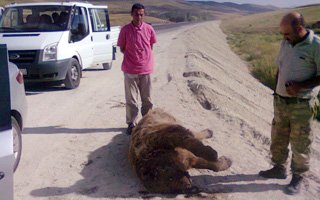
(278,171)
(295,185)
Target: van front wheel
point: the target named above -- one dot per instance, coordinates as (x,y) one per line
(17,142)
(72,79)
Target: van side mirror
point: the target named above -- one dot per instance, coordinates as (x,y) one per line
(79,30)
(78,33)
(74,31)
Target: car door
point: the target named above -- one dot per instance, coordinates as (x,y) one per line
(6,142)
(102,44)
(80,39)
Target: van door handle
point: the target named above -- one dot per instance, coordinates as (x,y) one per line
(107,36)
(91,38)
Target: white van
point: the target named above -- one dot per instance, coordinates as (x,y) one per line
(54,41)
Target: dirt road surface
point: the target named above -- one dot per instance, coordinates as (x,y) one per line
(75,146)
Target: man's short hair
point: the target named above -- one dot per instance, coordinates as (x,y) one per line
(137,6)
(299,21)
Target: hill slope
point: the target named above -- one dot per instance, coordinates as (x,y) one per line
(174,10)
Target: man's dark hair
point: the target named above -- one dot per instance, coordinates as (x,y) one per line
(299,21)
(137,6)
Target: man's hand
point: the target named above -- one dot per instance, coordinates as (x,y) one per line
(293,88)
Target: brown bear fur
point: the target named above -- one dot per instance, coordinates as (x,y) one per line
(161,151)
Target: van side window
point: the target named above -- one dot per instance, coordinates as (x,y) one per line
(79,25)
(99,20)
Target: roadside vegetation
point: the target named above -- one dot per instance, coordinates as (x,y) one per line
(3,2)
(256,39)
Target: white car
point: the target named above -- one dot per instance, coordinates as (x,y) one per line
(18,109)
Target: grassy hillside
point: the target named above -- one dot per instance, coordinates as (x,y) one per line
(162,11)
(256,39)
(228,7)
(167,10)
(180,10)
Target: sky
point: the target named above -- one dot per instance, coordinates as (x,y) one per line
(278,3)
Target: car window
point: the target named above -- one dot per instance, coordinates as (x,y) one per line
(79,25)
(99,19)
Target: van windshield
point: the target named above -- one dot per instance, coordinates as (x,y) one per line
(35,18)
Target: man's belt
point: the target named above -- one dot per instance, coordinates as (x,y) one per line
(290,100)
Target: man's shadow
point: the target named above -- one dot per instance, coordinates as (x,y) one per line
(220,184)
(107,173)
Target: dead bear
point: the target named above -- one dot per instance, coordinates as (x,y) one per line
(161,151)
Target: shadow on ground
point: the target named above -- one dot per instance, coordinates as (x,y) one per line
(221,184)
(108,174)
(63,130)
(94,69)
(38,88)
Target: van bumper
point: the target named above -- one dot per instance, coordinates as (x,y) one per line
(45,71)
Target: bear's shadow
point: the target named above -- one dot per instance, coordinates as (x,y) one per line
(106,174)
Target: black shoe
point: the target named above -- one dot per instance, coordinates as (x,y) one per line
(277,171)
(129,129)
(295,185)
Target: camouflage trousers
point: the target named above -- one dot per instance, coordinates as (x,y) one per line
(292,124)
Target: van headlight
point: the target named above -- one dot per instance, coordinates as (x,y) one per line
(50,52)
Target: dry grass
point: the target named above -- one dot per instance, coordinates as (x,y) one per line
(3,2)
(256,39)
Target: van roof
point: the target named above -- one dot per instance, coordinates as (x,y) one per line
(61,3)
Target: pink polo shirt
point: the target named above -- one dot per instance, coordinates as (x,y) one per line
(137,43)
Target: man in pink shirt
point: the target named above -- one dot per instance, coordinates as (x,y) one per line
(136,41)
